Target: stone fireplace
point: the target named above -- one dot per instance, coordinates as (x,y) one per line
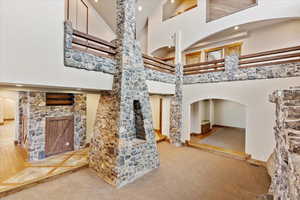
(123,147)
(35,115)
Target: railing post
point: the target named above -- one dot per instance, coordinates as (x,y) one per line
(176,121)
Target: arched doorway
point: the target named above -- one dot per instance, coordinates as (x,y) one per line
(219,124)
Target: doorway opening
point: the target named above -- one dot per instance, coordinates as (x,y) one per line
(160,106)
(219,125)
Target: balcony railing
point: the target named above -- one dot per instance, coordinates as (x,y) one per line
(261,59)
(91,44)
(273,57)
(99,47)
(204,67)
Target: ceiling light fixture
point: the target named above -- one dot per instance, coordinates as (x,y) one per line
(96,1)
(172,1)
(236,28)
(140,8)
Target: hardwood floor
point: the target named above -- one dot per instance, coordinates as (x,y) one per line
(12,159)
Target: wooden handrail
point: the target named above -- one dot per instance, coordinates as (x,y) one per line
(266,53)
(93,46)
(93,38)
(202,72)
(205,67)
(159,66)
(270,58)
(204,63)
(271,63)
(158,69)
(157,60)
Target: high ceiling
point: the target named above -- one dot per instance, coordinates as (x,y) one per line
(107,9)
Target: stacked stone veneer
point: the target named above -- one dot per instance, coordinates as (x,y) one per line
(234,73)
(118,154)
(284,165)
(83,60)
(32,105)
(176,121)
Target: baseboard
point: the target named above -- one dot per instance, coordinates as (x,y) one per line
(222,126)
(257,162)
(9,119)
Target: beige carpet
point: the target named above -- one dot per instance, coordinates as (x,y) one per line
(185,174)
(227,138)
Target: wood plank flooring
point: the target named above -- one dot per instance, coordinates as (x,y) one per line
(12,158)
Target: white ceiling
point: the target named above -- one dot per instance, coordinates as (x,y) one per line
(107,9)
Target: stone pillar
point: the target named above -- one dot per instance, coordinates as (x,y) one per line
(231,66)
(176,120)
(123,147)
(285,163)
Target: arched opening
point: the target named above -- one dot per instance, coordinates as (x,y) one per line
(219,124)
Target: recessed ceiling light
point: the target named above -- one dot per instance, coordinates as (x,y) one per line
(140,8)
(236,28)
(172,1)
(96,1)
(19,85)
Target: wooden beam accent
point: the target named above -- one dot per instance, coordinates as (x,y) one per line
(266,53)
(93,38)
(93,46)
(271,63)
(270,58)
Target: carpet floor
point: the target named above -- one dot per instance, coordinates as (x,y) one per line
(227,138)
(185,174)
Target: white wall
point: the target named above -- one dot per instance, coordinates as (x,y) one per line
(32,38)
(96,24)
(195,118)
(194,27)
(31,50)
(9,103)
(260,39)
(166,106)
(92,106)
(229,113)
(266,38)
(260,117)
(155,107)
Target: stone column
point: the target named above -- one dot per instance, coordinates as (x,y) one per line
(176,121)
(285,163)
(231,66)
(123,147)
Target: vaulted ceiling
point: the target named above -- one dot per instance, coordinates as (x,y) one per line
(107,9)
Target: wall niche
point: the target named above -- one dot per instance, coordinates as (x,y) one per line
(139,120)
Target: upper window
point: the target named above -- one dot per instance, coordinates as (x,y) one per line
(173,8)
(217,9)
(221,52)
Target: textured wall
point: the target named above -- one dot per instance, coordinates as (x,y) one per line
(176,122)
(284,165)
(33,106)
